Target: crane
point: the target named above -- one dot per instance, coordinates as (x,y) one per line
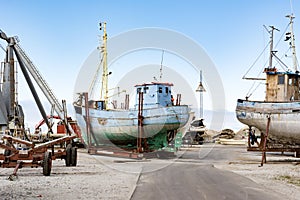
(27,64)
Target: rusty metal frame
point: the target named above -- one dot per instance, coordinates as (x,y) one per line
(34,155)
(140,124)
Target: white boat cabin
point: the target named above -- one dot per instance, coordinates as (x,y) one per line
(282,86)
(155,95)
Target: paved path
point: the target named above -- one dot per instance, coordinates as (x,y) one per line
(185,179)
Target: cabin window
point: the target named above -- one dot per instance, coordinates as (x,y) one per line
(160,90)
(280,80)
(167,90)
(145,89)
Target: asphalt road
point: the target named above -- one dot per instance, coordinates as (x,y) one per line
(194,177)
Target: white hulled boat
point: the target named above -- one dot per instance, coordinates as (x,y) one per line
(157,114)
(281,106)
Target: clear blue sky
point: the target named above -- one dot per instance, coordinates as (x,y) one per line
(59,35)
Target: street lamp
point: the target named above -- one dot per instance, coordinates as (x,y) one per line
(201,89)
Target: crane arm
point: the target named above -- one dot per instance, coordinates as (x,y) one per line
(41,82)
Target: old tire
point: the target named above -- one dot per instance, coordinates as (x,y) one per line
(47,163)
(68,157)
(74,156)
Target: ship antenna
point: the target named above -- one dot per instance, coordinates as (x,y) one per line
(161,65)
(104,88)
(291,36)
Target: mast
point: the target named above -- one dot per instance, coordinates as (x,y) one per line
(271,45)
(270,67)
(104,89)
(292,37)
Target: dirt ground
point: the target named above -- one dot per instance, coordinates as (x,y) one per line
(99,177)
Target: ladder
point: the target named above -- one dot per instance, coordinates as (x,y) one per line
(41,82)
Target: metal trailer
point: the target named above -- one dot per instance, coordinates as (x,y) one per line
(27,154)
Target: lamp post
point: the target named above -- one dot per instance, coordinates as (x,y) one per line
(201,89)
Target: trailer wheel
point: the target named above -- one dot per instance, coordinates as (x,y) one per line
(74,156)
(68,158)
(47,163)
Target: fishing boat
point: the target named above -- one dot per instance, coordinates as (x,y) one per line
(278,115)
(152,122)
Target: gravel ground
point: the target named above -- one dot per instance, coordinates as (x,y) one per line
(98,177)
(90,179)
(281,173)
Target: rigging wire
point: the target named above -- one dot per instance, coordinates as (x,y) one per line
(252,86)
(91,88)
(283,33)
(264,51)
(255,82)
(2,48)
(280,62)
(277,59)
(251,90)
(255,89)
(256,60)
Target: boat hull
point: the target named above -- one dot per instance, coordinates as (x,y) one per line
(285,117)
(120,127)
